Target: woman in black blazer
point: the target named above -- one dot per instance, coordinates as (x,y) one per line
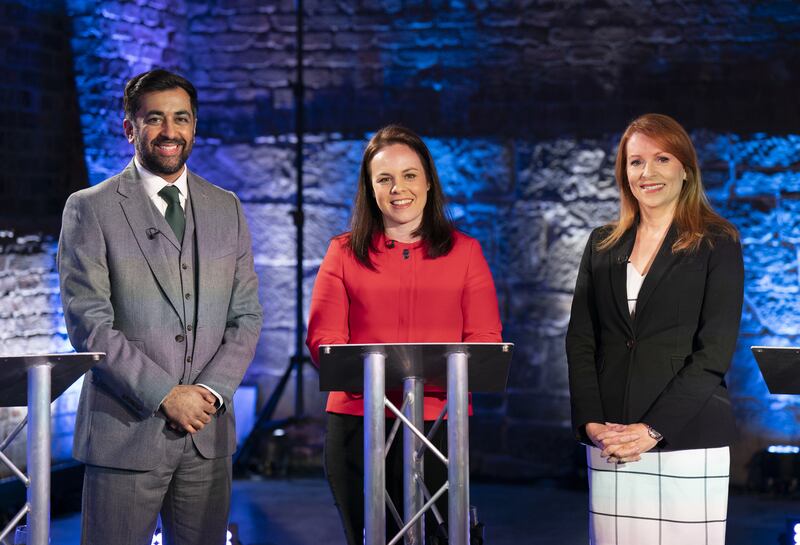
(653,329)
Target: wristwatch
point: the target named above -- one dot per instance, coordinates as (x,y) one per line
(653,433)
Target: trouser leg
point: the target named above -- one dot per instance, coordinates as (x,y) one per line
(197,502)
(344,469)
(121,506)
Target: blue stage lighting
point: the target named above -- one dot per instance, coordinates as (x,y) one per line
(792,535)
(783,449)
(231,540)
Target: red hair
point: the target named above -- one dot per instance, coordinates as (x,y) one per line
(694,216)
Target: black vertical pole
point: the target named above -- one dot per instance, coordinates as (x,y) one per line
(264,422)
(299,218)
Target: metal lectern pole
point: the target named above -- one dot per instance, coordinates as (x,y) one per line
(413,470)
(39,454)
(344,367)
(458,448)
(374,437)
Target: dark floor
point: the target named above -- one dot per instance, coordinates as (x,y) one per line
(301,511)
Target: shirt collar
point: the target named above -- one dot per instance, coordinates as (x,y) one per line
(153,183)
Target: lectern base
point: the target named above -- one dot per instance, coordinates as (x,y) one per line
(372,368)
(35,381)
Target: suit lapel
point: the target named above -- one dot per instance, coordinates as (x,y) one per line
(205,229)
(619,272)
(661,263)
(141,216)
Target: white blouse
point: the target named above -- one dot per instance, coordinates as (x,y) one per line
(633,285)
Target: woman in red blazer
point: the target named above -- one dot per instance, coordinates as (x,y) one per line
(402,274)
(653,328)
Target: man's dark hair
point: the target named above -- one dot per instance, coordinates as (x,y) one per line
(155,80)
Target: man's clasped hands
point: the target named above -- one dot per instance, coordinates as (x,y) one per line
(189,407)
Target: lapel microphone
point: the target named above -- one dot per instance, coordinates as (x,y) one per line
(152,232)
(390,244)
(622,259)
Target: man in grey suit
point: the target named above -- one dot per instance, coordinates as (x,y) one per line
(157,271)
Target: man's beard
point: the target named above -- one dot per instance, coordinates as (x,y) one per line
(163,165)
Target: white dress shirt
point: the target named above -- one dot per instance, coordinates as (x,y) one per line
(153,183)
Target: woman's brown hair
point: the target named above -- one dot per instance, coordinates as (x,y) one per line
(694,217)
(436,228)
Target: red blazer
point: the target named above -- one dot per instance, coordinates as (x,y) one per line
(406,299)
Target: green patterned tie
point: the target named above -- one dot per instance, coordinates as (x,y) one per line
(174,212)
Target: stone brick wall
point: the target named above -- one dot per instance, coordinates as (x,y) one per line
(760,195)
(456,68)
(41,157)
(111,42)
(478,67)
(32,322)
(520,103)
(41,162)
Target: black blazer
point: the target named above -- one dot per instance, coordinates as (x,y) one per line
(666,365)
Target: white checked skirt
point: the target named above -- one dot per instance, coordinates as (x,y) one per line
(666,498)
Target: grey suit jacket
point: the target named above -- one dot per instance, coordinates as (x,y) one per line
(121,296)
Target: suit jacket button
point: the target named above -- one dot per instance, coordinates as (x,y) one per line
(630,343)
(179,338)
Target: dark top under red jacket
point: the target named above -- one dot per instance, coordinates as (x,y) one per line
(405,299)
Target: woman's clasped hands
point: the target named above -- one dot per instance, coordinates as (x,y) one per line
(620,443)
